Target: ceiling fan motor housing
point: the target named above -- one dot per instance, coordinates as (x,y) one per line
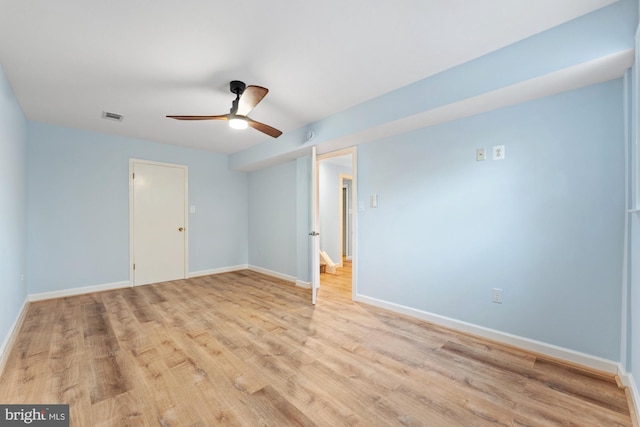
(237,87)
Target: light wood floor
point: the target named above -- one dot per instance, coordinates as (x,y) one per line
(245,349)
(340,282)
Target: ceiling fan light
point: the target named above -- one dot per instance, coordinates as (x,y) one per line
(238,123)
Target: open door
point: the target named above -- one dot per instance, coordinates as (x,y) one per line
(314,234)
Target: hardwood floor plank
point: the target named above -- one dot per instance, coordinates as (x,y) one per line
(270,408)
(236,370)
(107,378)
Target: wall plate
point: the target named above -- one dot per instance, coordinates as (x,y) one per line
(498,152)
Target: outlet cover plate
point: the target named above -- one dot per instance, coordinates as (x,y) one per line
(496,295)
(498,152)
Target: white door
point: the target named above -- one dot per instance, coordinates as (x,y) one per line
(315,235)
(158,222)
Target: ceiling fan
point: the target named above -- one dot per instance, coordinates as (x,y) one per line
(247,97)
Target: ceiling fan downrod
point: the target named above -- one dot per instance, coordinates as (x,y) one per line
(237,87)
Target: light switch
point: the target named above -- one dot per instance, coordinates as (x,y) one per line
(374,201)
(192,209)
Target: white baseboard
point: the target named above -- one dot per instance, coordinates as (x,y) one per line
(9,340)
(118,285)
(556,352)
(78,291)
(633,395)
(217,271)
(303,284)
(272,273)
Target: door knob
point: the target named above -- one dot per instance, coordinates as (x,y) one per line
(181,229)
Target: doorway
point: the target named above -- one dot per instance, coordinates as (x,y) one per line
(158,221)
(337,222)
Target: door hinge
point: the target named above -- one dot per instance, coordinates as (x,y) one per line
(134,266)
(134,175)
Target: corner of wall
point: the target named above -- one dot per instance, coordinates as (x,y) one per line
(631,391)
(9,341)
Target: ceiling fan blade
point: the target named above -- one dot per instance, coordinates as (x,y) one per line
(251,97)
(221,117)
(264,128)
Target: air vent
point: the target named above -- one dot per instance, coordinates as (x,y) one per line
(112,116)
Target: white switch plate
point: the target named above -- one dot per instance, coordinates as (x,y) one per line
(499,152)
(192,209)
(374,201)
(481,154)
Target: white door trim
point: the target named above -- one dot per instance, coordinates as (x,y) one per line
(132,162)
(344,253)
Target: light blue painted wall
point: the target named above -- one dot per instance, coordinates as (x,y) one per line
(329,198)
(546,225)
(13,203)
(633,248)
(78,207)
(273,218)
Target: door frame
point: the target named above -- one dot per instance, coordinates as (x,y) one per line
(344,228)
(132,162)
(353,151)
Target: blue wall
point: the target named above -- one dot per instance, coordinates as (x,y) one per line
(546,224)
(633,246)
(13,203)
(279,219)
(273,219)
(78,207)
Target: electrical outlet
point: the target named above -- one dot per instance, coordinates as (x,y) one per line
(499,152)
(480,154)
(496,295)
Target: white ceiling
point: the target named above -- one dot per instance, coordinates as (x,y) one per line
(70,60)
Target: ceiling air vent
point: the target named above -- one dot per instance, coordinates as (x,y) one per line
(112,116)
